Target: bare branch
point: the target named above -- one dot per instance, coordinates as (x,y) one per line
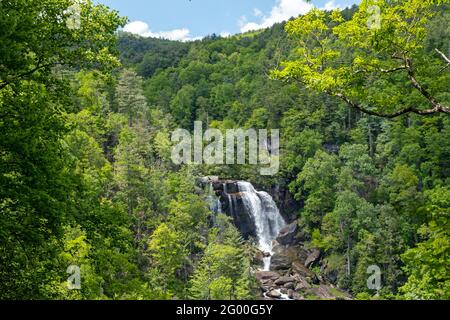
(438,109)
(393,69)
(443,55)
(382,70)
(418,86)
(445,58)
(3,84)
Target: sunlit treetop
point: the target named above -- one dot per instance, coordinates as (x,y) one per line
(376,62)
(37,35)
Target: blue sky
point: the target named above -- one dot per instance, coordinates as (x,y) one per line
(187,20)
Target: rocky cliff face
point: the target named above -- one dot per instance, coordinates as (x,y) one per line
(233,205)
(288,206)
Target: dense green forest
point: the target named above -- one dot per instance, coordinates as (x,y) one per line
(86,176)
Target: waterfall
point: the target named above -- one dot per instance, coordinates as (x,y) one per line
(254,213)
(213,199)
(267,218)
(219,206)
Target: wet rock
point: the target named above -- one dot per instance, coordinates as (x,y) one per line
(258,258)
(288,206)
(233,206)
(274,294)
(218,186)
(265,288)
(227,187)
(283,257)
(267,285)
(288,234)
(291,294)
(208,179)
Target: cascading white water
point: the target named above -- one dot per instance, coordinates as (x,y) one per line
(213,200)
(267,217)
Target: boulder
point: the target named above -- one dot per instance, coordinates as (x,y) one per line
(258,258)
(329,274)
(280,262)
(289,285)
(283,280)
(313,258)
(288,235)
(273,294)
(302,253)
(299,269)
(283,257)
(265,288)
(291,294)
(302,285)
(267,282)
(266,275)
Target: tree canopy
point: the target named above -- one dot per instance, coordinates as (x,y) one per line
(377,62)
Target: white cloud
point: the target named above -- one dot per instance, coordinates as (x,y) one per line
(257,12)
(282,11)
(225,34)
(142,29)
(137,27)
(330,5)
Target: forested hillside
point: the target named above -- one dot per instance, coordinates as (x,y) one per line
(86,176)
